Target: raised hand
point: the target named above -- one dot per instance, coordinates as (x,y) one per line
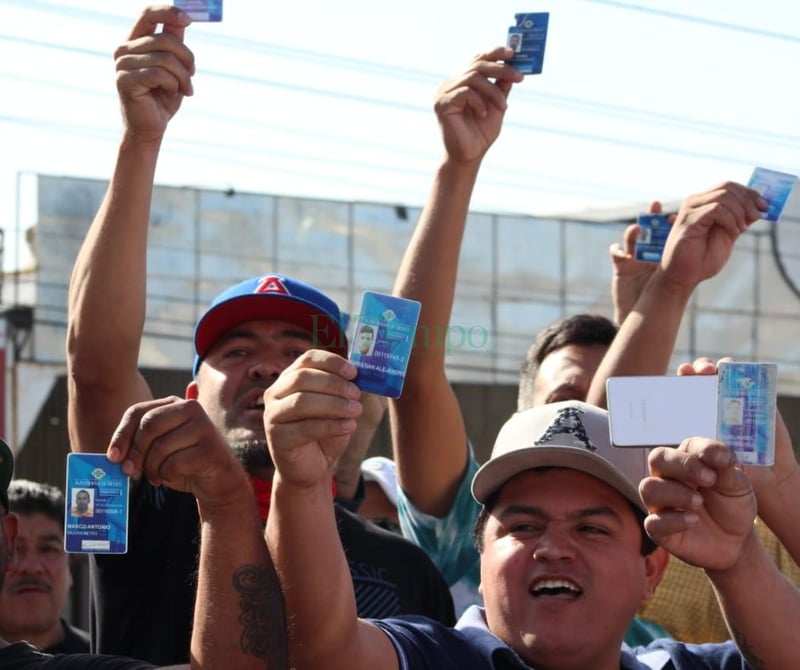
(172,441)
(705,230)
(629,275)
(310,414)
(470,107)
(702,504)
(154,71)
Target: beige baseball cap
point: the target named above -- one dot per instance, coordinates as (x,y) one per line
(569,434)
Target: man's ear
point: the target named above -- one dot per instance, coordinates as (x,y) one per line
(191,391)
(655,565)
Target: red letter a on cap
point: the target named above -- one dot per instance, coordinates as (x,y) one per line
(271,285)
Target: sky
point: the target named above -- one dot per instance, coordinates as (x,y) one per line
(637,100)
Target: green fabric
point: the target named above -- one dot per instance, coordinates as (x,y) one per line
(642,632)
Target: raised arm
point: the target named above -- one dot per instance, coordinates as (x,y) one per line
(310,415)
(428,431)
(629,276)
(702,507)
(697,248)
(107,288)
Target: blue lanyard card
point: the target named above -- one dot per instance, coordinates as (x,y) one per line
(746,406)
(96,515)
(382,342)
(201,10)
(775,188)
(528,38)
(653,233)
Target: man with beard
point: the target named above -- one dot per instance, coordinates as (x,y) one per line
(247,337)
(37,586)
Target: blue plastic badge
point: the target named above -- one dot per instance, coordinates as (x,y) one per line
(201,10)
(775,188)
(382,340)
(746,406)
(528,38)
(96,496)
(653,232)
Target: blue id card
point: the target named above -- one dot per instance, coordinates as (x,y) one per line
(653,232)
(96,514)
(774,187)
(746,406)
(201,10)
(528,39)
(382,341)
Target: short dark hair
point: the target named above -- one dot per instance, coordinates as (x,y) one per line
(28,497)
(646,547)
(580,329)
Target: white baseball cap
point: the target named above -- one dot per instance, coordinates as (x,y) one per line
(381,470)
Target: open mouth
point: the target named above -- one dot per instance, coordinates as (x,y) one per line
(555,587)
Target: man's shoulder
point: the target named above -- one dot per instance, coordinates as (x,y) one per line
(668,654)
(421,642)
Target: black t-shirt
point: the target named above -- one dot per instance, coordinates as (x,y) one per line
(76,641)
(391,575)
(22,656)
(143,601)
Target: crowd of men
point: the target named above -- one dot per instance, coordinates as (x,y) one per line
(260,538)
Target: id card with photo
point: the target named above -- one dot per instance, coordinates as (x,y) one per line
(653,232)
(201,10)
(528,38)
(96,514)
(382,340)
(746,406)
(775,188)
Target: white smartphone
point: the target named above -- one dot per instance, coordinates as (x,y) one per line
(649,411)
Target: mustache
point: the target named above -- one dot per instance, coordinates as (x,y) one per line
(14,585)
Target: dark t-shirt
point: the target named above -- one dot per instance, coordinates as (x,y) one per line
(76,641)
(143,601)
(422,644)
(22,656)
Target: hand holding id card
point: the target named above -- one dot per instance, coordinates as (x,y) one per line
(382,342)
(96,515)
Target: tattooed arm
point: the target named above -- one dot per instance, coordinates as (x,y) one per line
(238,620)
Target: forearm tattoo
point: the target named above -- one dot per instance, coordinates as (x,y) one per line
(746,650)
(261,615)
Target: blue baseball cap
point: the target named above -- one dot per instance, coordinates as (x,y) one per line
(274,297)
(6,472)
